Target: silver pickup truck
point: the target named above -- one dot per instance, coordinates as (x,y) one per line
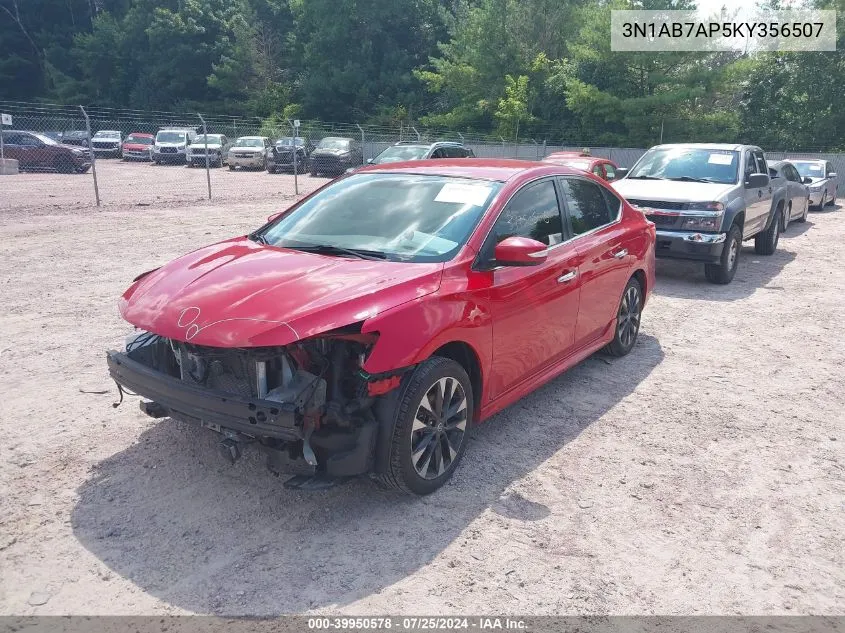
(705,200)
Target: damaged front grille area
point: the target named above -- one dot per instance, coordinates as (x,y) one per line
(306,404)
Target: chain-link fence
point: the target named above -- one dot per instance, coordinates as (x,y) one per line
(128,157)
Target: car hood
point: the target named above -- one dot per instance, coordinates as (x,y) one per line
(671,190)
(245,148)
(331,152)
(817,179)
(203,146)
(136,146)
(240,293)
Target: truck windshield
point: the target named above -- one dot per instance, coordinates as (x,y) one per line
(249,142)
(212,139)
(139,140)
(400,217)
(334,143)
(688,164)
(170,137)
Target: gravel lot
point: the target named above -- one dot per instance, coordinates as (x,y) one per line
(702,474)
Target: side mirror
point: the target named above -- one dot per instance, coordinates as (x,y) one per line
(807,180)
(621,172)
(370,161)
(755,181)
(520,251)
(832,174)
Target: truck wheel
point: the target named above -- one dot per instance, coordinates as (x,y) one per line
(832,200)
(428,423)
(724,271)
(787,216)
(627,319)
(231,168)
(803,217)
(766,243)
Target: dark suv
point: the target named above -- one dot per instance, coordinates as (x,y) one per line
(35,151)
(334,155)
(282,156)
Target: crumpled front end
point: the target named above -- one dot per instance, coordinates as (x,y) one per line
(307,405)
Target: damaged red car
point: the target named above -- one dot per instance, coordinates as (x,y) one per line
(364,330)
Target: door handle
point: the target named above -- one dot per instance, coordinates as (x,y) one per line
(620,254)
(568,276)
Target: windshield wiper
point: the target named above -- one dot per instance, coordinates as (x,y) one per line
(329,249)
(258,237)
(690,179)
(645,178)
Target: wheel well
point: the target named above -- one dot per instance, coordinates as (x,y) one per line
(639,275)
(465,356)
(739,220)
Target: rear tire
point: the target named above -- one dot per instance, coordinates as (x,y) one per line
(766,243)
(429,426)
(231,168)
(831,201)
(787,216)
(803,217)
(627,320)
(724,271)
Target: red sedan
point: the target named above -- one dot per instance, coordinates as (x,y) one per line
(601,167)
(367,327)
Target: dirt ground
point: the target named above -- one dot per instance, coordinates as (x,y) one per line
(702,474)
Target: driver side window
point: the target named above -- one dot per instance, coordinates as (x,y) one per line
(532,212)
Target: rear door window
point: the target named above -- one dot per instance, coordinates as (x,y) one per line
(586,205)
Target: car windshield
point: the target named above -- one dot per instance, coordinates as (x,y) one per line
(212,138)
(170,137)
(46,139)
(287,140)
(583,165)
(249,142)
(107,134)
(404,217)
(688,164)
(813,170)
(140,140)
(399,153)
(334,143)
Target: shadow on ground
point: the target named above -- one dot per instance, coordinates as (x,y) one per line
(170,517)
(685,279)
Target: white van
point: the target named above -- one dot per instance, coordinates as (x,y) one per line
(171,145)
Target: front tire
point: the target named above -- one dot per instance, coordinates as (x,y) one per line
(724,271)
(766,243)
(430,422)
(831,201)
(803,217)
(627,320)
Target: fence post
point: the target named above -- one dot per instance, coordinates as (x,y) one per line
(503,146)
(462,137)
(207,167)
(536,148)
(363,145)
(544,148)
(295,152)
(91,151)
(415,132)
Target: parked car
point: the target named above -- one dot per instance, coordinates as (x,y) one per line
(138,146)
(171,145)
(797,194)
(217,146)
(705,200)
(282,154)
(601,167)
(74,137)
(822,180)
(415,150)
(334,155)
(34,151)
(250,151)
(107,143)
(368,326)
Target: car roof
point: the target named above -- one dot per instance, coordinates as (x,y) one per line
(141,134)
(807,160)
(243,137)
(107,131)
(498,169)
(432,144)
(719,146)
